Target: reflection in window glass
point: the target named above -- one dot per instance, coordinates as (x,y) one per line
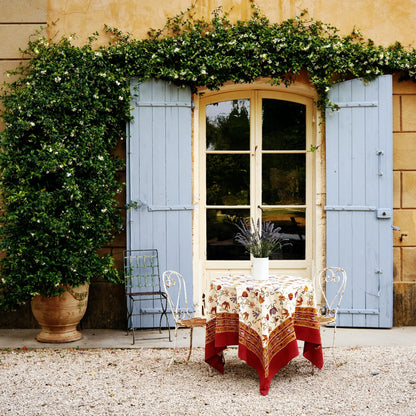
(284,125)
(228,125)
(228,179)
(283,179)
(292,224)
(221,230)
(279,148)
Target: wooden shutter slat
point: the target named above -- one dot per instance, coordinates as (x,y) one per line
(159,180)
(359,198)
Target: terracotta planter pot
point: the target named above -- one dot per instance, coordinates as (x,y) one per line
(59,316)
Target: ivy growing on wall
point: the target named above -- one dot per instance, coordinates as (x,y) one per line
(197,52)
(67,111)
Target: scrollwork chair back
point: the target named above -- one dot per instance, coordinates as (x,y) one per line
(175,289)
(328,307)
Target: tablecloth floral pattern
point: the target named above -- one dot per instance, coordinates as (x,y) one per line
(265,319)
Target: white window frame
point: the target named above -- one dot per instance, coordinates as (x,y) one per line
(206,270)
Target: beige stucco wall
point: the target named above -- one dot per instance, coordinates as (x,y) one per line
(384,21)
(18,21)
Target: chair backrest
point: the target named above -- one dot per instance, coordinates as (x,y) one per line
(141,270)
(175,289)
(330,276)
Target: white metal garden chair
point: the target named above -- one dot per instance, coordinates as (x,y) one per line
(328,308)
(175,289)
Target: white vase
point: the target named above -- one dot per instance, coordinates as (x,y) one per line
(260,268)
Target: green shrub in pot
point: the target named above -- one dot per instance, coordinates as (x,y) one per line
(58,175)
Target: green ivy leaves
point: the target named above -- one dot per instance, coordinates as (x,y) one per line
(58,174)
(196,52)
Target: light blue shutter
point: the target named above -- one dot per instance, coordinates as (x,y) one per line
(159,169)
(359,199)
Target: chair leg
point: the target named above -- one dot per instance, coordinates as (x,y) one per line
(160,324)
(161,316)
(167,324)
(164,305)
(130,319)
(174,347)
(190,343)
(333,346)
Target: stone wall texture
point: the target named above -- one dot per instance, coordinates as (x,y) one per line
(404,202)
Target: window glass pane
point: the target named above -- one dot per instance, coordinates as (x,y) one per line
(284,125)
(221,230)
(283,179)
(228,179)
(228,125)
(292,224)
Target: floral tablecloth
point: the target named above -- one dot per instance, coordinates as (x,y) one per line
(265,319)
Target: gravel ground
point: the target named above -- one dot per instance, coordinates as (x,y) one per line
(365,381)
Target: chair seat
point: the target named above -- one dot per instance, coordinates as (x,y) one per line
(149,293)
(326,320)
(192,322)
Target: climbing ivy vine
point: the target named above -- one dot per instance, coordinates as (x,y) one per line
(199,52)
(68,107)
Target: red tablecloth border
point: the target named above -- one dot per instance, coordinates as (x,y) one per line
(226,330)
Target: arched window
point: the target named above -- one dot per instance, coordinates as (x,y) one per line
(255,165)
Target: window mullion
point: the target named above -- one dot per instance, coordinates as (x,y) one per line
(257,157)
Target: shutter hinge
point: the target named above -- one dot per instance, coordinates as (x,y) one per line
(352,104)
(152,208)
(359,311)
(163,104)
(348,208)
